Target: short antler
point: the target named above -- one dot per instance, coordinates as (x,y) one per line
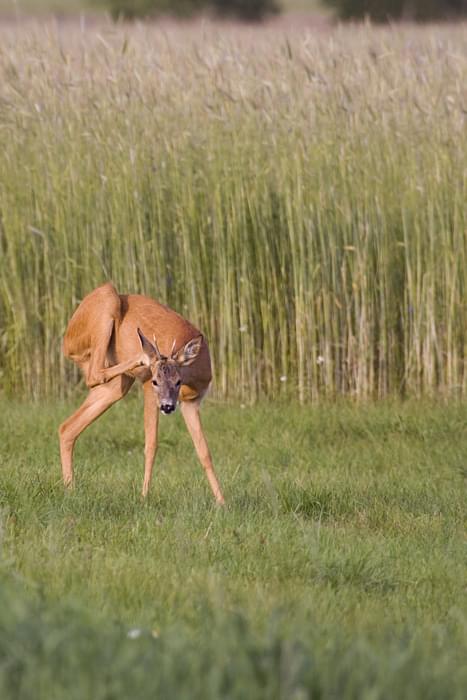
(156,347)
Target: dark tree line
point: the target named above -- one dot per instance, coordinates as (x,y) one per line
(255,10)
(386,10)
(249,10)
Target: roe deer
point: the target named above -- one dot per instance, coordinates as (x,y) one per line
(107,338)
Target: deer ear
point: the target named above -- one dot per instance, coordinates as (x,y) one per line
(152,351)
(188,354)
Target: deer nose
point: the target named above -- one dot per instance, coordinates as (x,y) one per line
(167,408)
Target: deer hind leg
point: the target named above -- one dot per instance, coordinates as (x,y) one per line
(190,412)
(95,373)
(99,310)
(95,370)
(99,399)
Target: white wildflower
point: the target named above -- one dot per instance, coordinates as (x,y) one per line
(134,633)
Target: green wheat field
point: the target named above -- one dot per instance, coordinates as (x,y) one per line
(300,196)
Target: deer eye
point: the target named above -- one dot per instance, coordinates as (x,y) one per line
(154,383)
(178,383)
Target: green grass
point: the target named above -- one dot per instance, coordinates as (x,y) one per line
(301,197)
(338,568)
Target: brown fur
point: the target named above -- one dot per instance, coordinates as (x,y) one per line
(102,339)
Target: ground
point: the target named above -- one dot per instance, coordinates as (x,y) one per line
(338,568)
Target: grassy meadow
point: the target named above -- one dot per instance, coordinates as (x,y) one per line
(299,196)
(337,570)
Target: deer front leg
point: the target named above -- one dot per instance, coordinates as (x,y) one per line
(97,402)
(190,412)
(151,424)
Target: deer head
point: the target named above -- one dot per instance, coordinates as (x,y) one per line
(167,371)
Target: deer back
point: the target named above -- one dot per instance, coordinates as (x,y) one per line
(171,332)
